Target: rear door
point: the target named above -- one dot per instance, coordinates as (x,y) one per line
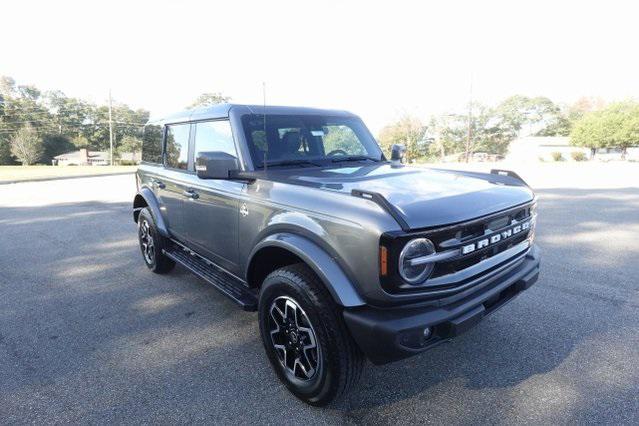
(211,216)
(171,188)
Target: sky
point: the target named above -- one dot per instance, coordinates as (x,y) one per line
(380,60)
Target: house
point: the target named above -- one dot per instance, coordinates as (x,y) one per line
(82,157)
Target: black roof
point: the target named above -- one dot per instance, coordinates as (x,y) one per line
(223,111)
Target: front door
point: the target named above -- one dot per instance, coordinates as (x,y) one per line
(211,214)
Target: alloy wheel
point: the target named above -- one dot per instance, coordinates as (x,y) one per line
(146,241)
(294,339)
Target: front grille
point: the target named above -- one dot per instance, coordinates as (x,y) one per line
(447,268)
(458,266)
(457,236)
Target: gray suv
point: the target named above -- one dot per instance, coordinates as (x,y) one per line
(297,214)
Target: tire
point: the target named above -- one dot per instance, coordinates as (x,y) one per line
(152,243)
(324,373)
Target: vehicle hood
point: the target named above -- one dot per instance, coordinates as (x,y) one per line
(423,197)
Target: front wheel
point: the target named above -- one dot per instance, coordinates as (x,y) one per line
(305,337)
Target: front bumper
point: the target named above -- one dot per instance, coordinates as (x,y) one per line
(386,335)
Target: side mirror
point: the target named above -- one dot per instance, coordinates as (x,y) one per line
(215,165)
(398,152)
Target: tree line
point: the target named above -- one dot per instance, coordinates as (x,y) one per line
(490,129)
(35,126)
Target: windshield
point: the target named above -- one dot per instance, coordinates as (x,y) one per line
(301,140)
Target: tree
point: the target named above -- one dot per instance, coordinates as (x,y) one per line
(130,144)
(208,99)
(80,141)
(29,92)
(623,117)
(5,152)
(341,138)
(542,116)
(616,126)
(84,123)
(583,106)
(409,131)
(7,86)
(55,145)
(491,132)
(26,145)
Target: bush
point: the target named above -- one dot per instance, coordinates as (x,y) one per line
(578,156)
(127,163)
(556,156)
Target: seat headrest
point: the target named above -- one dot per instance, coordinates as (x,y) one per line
(292,142)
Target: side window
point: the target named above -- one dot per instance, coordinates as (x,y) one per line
(177,146)
(214,136)
(152,144)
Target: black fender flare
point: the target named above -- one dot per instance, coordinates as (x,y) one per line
(154,206)
(327,269)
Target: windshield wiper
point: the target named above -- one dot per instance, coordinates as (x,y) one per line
(355,158)
(291,162)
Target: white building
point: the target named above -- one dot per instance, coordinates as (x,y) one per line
(535,148)
(83,157)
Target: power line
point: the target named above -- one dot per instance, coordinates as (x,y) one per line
(57,122)
(54,129)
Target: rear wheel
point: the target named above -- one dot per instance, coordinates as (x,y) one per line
(305,337)
(152,243)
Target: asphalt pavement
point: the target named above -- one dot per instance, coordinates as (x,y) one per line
(89,335)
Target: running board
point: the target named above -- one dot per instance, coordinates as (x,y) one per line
(227,284)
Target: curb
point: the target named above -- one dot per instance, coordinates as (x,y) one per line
(44,179)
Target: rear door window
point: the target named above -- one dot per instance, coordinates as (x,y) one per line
(152,144)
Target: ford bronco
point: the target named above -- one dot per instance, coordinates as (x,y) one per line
(297,214)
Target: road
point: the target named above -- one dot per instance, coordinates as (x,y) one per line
(88,335)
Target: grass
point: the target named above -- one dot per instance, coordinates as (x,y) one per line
(27,173)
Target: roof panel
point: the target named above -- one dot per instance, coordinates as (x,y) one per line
(222,111)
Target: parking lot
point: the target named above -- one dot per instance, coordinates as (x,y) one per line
(89,335)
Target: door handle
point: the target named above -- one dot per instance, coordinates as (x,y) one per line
(159,183)
(191,194)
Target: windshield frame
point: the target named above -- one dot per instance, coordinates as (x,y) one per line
(369,145)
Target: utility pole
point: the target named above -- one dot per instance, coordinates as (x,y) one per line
(110,131)
(470,117)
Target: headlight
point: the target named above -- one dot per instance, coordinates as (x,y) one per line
(416,274)
(533,222)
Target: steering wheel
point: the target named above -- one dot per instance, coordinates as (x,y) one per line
(335,152)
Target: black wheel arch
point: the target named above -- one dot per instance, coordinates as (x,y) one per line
(145,198)
(283,249)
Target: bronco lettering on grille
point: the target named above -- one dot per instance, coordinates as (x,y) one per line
(496,237)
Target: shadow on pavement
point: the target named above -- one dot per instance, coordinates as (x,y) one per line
(87,333)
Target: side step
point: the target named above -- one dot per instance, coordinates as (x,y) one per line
(230,286)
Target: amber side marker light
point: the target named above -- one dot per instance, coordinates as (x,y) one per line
(383,261)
